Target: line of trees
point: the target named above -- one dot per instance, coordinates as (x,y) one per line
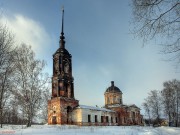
(24,86)
(164,103)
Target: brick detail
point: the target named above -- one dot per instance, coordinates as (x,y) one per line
(59,110)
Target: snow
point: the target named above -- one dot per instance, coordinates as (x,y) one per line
(84,130)
(94,108)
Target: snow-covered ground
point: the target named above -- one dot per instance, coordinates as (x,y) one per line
(76,130)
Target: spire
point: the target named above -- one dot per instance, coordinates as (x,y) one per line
(62,42)
(112,83)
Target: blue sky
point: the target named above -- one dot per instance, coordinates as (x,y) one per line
(97,34)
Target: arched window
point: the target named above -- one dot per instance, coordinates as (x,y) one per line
(108,101)
(114,99)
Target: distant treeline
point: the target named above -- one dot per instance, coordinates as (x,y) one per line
(164,103)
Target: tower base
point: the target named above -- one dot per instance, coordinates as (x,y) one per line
(60,110)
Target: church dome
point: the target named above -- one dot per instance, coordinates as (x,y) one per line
(113,88)
(62,51)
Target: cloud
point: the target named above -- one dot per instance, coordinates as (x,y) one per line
(28,31)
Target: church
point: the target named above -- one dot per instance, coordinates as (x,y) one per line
(63,108)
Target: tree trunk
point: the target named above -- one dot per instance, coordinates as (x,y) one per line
(149,119)
(1,120)
(29,122)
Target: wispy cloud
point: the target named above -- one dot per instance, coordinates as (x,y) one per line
(28,31)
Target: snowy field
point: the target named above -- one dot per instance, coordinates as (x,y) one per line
(76,130)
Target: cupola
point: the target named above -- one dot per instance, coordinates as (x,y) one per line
(113,95)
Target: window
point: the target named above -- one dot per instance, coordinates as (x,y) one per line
(107,119)
(89,118)
(114,99)
(117,99)
(96,118)
(108,100)
(102,119)
(111,119)
(66,87)
(116,120)
(120,101)
(133,115)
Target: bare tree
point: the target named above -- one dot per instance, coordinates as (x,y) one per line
(154,102)
(44,109)
(147,109)
(171,100)
(30,82)
(159,19)
(6,67)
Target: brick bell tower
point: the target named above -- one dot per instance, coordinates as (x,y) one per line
(62,101)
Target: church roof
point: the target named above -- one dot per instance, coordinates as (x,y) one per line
(133,105)
(94,108)
(123,105)
(113,88)
(117,105)
(62,51)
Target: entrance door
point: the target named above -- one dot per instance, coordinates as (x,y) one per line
(54,120)
(69,119)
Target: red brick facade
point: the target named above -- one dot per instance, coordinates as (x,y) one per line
(128,115)
(59,110)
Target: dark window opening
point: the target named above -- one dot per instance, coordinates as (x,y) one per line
(89,118)
(60,60)
(102,119)
(111,119)
(116,120)
(96,118)
(107,119)
(66,85)
(133,115)
(108,101)
(69,110)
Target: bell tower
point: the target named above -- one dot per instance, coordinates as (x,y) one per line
(62,80)
(62,100)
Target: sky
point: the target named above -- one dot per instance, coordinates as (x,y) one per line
(98,36)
